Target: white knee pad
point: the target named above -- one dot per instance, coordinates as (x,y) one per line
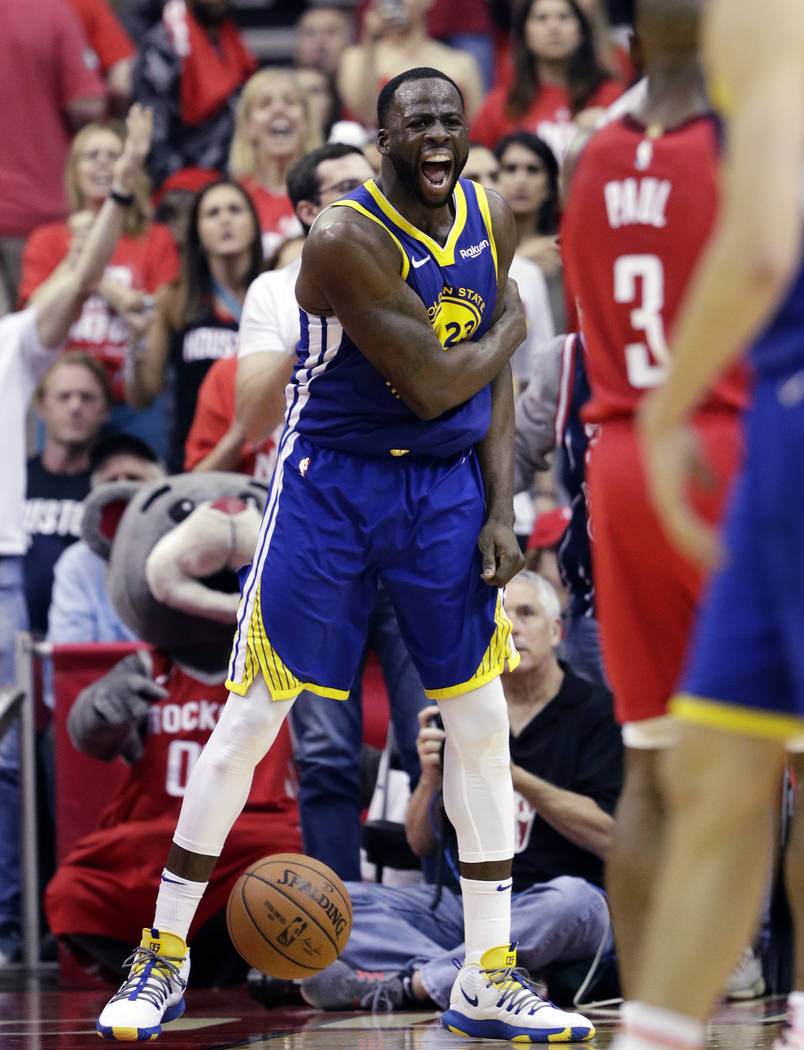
(478,793)
(221,778)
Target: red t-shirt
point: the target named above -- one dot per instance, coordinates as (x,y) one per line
(107,882)
(275,212)
(214,412)
(144,262)
(109,40)
(549,116)
(639,213)
(46,64)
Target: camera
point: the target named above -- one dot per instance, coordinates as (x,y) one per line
(436,723)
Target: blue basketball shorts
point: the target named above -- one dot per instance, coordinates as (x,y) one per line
(334,525)
(745,668)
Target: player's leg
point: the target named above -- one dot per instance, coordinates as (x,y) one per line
(216,793)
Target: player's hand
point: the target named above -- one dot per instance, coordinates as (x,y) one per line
(674,460)
(500,551)
(139,128)
(430,743)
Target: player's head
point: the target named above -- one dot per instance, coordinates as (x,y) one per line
(668,30)
(422,133)
(322,176)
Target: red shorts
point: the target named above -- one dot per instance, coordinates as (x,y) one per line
(646,594)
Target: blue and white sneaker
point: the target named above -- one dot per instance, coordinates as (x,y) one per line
(152,993)
(496,1001)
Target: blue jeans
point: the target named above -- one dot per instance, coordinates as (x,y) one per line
(563,920)
(580,647)
(328,738)
(13,618)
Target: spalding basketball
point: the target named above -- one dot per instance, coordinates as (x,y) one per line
(289,915)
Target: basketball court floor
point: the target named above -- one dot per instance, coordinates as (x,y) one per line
(36,1015)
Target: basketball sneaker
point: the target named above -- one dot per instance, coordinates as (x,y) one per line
(497,1001)
(152,993)
(746,980)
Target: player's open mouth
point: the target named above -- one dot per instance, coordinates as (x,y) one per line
(437,169)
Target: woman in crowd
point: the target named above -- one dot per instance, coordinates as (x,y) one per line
(558,84)
(273,128)
(197,316)
(528,180)
(145,259)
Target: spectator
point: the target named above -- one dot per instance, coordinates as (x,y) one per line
(80,609)
(394,39)
(273,128)
(30,339)
(566,763)
(324,31)
(115,317)
(197,315)
(113,46)
(42,47)
(557,76)
(484,167)
(189,69)
(528,180)
(72,400)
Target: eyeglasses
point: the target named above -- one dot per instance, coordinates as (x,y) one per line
(344,186)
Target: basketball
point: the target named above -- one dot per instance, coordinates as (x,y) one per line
(289,915)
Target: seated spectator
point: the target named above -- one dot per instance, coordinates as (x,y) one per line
(80,609)
(557,77)
(50,87)
(189,69)
(273,128)
(72,400)
(528,180)
(394,39)
(113,46)
(115,317)
(323,32)
(566,764)
(197,316)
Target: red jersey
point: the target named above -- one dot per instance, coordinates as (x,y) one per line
(277,218)
(639,213)
(144,262)
(108,38)
(108,880)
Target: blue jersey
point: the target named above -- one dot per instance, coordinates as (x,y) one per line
(339,400)
(780,349)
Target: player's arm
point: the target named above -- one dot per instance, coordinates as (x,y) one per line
(352,268)
(60,298)
(757,54)
(498,545)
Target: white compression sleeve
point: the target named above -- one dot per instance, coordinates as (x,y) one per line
(221,778)
(478,794)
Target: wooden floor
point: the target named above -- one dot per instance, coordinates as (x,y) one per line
(34,1015)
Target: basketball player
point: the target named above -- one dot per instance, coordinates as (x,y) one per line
(396,464)
(743,693)
(642,204)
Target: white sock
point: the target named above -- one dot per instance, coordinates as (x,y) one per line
(647,1027)
(176,903)
(486,915)
(795,1011)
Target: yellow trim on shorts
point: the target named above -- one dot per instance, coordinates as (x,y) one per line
(261,658)
(732,718)
(444,256)
(483,204)
(500,652)
(357,206)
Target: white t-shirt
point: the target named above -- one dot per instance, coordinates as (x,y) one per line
(23,362)
(539,316)
(270,317)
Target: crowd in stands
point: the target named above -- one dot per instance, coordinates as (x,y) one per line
(177,359)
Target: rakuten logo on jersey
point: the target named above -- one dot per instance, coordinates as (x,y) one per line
(184,718)
(474,250)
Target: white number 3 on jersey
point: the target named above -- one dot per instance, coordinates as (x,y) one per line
(645,362)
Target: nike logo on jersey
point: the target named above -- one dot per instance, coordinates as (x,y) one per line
(471,999)
(420,262)
(503,886)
